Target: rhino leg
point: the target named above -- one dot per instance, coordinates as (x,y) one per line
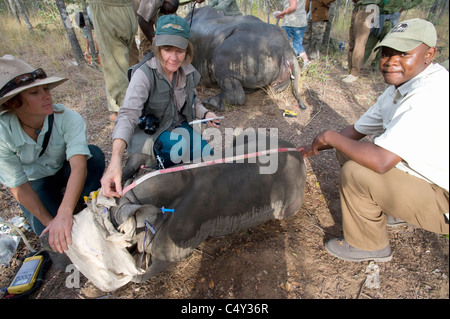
(216,102)
(232,89)
(232,93)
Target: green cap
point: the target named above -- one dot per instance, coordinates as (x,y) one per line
(172,30)
(409,34)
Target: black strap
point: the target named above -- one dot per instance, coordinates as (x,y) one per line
(133,69)
(47,135)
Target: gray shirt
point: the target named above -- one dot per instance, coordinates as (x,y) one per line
(137,94)
(296,18)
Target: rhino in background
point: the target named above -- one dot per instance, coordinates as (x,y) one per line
(238,53)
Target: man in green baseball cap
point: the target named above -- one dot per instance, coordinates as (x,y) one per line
(403,175)
(412,44)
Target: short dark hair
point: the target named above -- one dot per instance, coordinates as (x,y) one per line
(169,6)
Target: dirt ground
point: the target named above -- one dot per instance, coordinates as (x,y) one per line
(281,259)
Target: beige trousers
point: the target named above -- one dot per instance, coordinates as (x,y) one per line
(366,198)
(115,25)
(358,34)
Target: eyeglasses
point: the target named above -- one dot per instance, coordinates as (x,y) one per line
(21,80)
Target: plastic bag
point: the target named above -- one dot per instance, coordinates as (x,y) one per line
(8,241)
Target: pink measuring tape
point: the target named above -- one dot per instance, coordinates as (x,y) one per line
(207,163)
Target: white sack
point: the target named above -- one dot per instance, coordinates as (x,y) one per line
(98,250)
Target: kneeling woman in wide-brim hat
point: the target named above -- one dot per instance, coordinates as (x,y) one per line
(43,149)
(160,102)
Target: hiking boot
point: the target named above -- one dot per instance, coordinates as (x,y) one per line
(339,248)
(350,78)
(394,222)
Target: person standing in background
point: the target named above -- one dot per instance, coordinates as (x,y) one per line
(116,25)
(294,23)
(226,7)
(317,14)
(359,32)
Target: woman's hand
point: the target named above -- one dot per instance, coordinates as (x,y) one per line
(213,123)
(112,179)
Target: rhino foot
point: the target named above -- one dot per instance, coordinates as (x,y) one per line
(155,268)
(301,105)
(216,103)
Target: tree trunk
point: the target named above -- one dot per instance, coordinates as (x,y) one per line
(433,10)
(70,32)
(327,33)
(12,6)
(443,8)
(24,15)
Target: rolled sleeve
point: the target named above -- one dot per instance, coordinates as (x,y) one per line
(149,8)
(136,95)
(200,109)
(73,130)
(12,173)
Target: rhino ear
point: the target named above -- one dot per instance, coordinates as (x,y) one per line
(121,213)
(141,213)
(147,213)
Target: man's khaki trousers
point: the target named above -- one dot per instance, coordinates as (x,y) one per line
(367,197)
(358,34)
(115,25)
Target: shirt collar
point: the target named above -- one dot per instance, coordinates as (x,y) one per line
(416,81)
(20,137)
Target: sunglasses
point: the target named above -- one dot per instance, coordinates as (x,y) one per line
(21,80)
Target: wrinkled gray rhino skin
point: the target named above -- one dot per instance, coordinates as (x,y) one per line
(238,53)
(208,201)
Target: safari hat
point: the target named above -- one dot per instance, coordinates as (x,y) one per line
(409,34)
(10,68)
(172,30)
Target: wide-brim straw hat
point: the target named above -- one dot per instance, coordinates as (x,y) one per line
(10,67)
